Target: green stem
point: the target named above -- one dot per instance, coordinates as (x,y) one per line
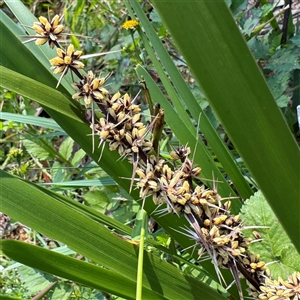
(270,15)
(134,45)
(139,281)
(260,27)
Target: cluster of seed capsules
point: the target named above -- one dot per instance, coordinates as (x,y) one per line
(218,233)
(121,124)
(169,183)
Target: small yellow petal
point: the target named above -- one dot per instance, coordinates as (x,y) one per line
(95,84)
(60,52)
(98,95)
(77,53)
(56,61)
(67,60)
(48,27)
(90,75)
(37,28)
(103,91)
(55,20)
(58,29)
(77,64)
(70,50)
(77,96)
(131,24)
(115,97)
(43,20)
(86,87)
(41,41)
(59,70)
(88,99)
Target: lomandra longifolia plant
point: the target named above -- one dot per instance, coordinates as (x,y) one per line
(173,184)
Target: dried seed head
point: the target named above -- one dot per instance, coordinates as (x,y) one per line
(90,88)
(281,289)
(47,31)
(66,60)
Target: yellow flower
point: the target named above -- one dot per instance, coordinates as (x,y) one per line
(15,152)
(131,24)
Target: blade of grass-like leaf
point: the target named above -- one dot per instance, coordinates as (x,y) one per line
(89,212)
(187,98)
(35,207)
(37,121)
(107,181)
(44,213)
(240,97)
(73,269)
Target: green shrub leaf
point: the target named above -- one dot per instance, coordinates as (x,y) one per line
(275,247)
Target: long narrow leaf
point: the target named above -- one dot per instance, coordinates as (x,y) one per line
(224,67)
(73,269)
(37,121)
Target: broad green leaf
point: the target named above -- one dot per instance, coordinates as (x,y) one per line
(57,172)
(233,84)
(36,149)
(97,200)
(66,148)
(63,291)
(34,280)
(275,247)
(78,156)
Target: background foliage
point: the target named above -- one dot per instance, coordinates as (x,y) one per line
(52,154)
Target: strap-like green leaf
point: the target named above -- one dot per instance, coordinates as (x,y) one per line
(37,121)
(208,38)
